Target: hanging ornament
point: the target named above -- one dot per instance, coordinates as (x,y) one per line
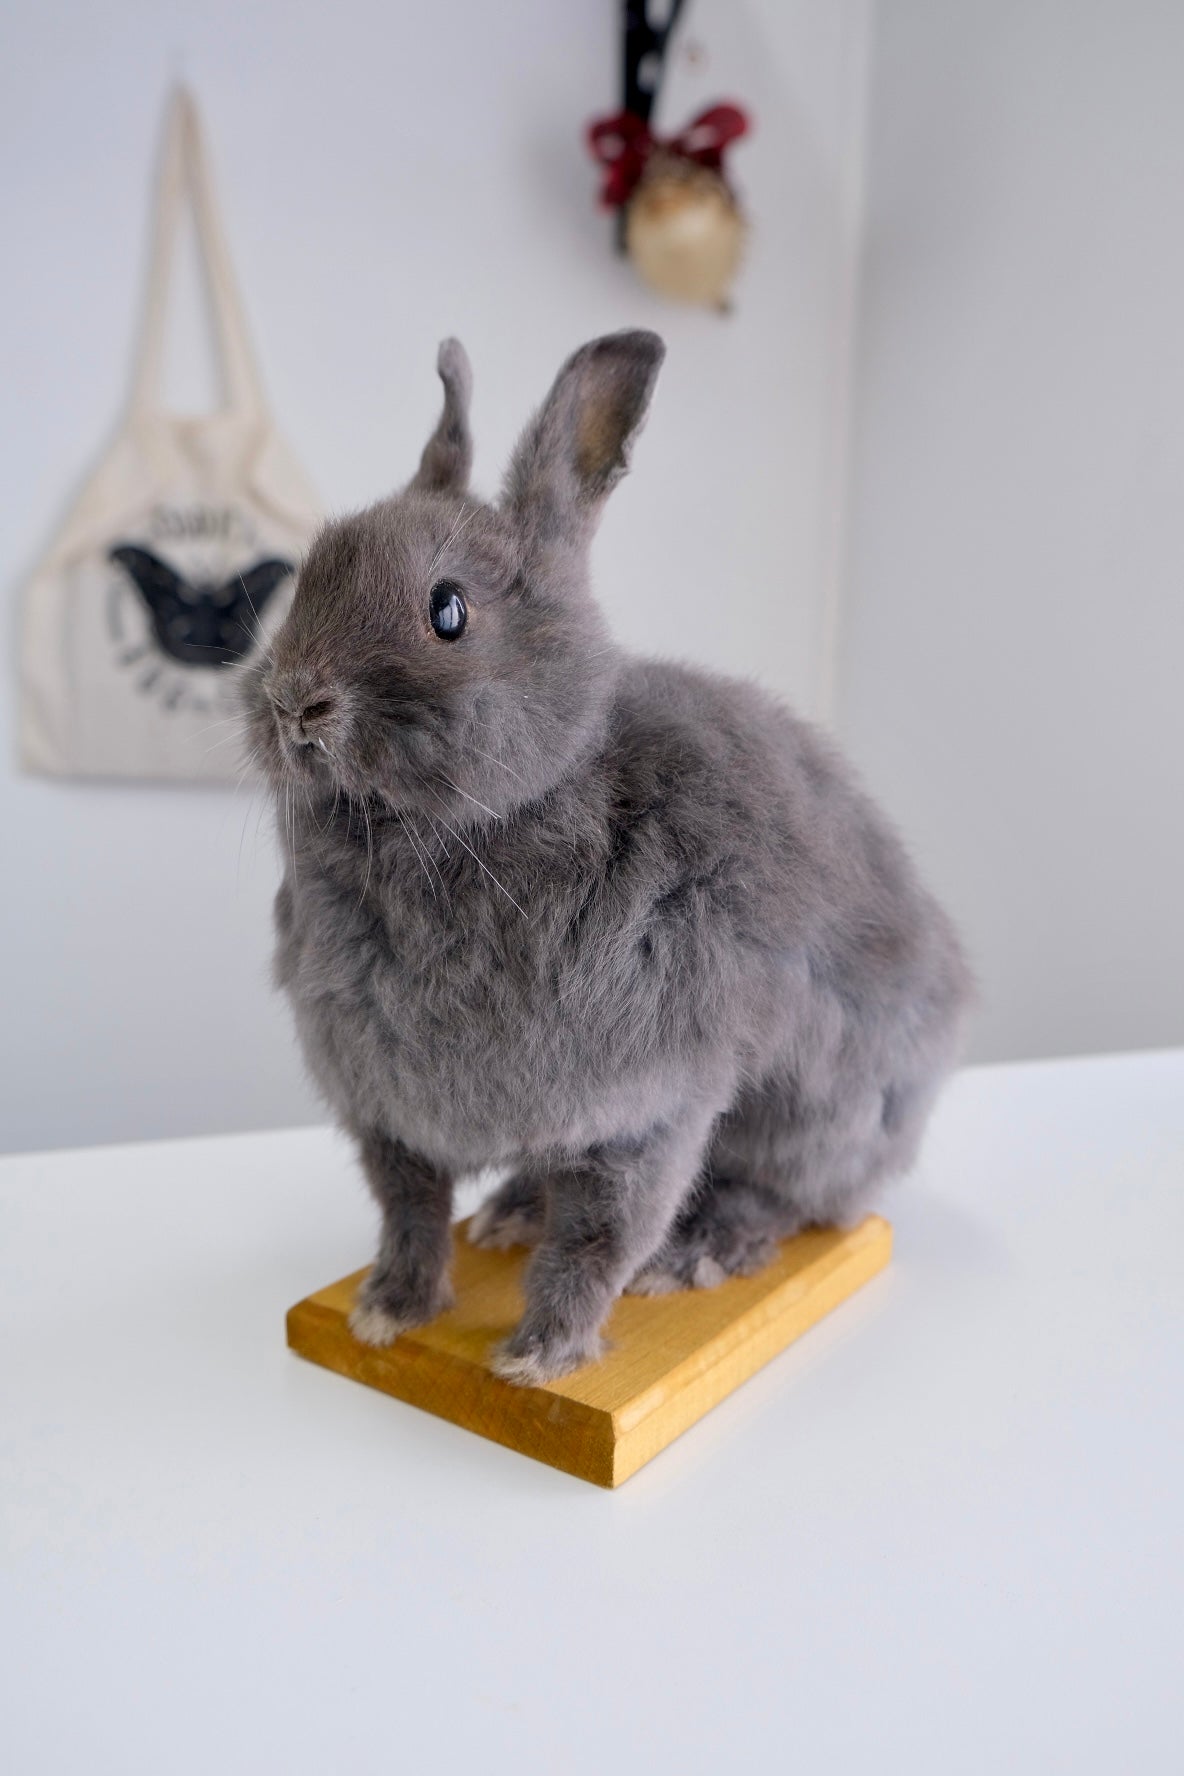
(683,227)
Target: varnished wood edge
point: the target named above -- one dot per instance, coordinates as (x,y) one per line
(739,1350)
(565,1433)
(587,1441)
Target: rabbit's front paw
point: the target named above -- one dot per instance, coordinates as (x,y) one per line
(379,1315)
(529,1362)
(373,1325)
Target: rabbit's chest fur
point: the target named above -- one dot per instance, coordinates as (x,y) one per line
(664,925)
(476,1032)
(563,976)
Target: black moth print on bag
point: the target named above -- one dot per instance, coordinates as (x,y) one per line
(206,623)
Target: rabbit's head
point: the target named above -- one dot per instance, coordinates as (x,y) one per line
(443,654)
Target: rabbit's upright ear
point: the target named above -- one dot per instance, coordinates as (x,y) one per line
(448,454)
(576,448)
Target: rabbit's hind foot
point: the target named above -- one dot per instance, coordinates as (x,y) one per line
(728,1231)
(512,1216)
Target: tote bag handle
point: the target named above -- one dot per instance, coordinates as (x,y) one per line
(185,172)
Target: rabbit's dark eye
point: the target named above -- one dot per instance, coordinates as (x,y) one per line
(449,614)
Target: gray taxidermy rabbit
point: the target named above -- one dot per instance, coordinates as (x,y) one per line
(627,928)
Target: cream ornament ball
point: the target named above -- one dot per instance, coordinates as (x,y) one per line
(682,225)
(684,231)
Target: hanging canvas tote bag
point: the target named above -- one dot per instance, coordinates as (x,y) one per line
(177,561)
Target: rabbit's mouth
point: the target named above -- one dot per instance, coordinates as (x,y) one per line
(309,759)
(309,751)
(308,724)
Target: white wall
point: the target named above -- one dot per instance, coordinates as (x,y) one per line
(391,172)
(1014,626)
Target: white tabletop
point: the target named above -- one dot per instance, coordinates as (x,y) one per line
(942,1533)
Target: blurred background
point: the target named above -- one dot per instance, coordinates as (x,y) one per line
(924,480)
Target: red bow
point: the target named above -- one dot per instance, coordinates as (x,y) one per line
(623,144)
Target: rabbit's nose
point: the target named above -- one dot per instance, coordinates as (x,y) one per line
(314,714)
(301,717)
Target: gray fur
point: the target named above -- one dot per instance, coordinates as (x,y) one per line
(448,454)
(625,927)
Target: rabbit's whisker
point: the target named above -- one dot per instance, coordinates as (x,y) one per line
(436,830)
(239,717)
(435,561)
(258,637)
(224,741)
(323,826)
(500,886)
(452,536)
(432,861)
(495,761)
(419,856)
(484,806)
(253,759)
(290,823)
(369,850)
